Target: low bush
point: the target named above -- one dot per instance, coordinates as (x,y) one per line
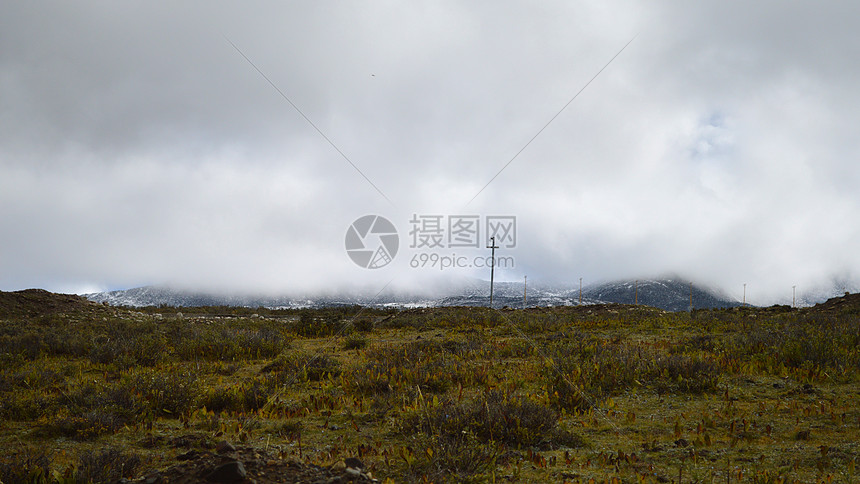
(355,342)
(25,465)
(398,368)
(443,459)
(304,367)
(580,377)
(246,396)
(143,350)
(86,426)
(494,417)
(684,374)
(226,343)
(165,393)
(106,465)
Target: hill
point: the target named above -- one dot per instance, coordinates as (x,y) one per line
(846,304)
(38,302)
(671,294)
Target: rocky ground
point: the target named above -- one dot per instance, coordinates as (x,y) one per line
(246,465)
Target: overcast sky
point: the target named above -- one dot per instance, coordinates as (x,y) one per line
(138,146)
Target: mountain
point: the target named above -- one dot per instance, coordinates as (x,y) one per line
(166,296)
(670,294)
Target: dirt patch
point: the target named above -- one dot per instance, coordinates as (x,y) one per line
(245,465)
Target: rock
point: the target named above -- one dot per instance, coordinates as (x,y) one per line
(229,472)
(353,463)
(154,478)
(224,447)
(188,455)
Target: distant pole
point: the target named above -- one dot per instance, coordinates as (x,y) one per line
(525,281)
(636,292)
(744,303)
(691,297)
(580,291)
(793,294)
(492,265)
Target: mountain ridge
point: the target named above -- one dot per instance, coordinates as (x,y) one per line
(671,294)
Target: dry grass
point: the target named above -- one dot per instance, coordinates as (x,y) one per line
(614,394)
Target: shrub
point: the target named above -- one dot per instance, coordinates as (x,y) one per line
(420,364)
(817,343)
(26,465)
(247,396)
(355,342)
(106,465)
(494,417)
(28,345)
(445,459)
(24,405)
(226,343)
(577,382)
(143,350)
(171,393)
(304,366)
(685,374)
(581,377)
(86,426)
(312,325)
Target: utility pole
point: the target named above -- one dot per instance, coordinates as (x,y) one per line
(580,291)
(793,294)
(525,281)
(492,265)
(691,297)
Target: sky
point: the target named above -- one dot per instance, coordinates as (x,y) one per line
(231,145)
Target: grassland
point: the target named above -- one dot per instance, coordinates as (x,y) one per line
(90,393)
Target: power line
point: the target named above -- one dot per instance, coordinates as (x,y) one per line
(330,142)
(551,120)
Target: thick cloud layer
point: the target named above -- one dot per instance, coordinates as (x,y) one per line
(138,146)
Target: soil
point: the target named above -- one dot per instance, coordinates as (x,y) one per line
(258,466)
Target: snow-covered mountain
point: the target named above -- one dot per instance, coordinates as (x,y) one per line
(166,296)
(671,294)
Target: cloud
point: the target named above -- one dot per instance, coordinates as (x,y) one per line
(137,146)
